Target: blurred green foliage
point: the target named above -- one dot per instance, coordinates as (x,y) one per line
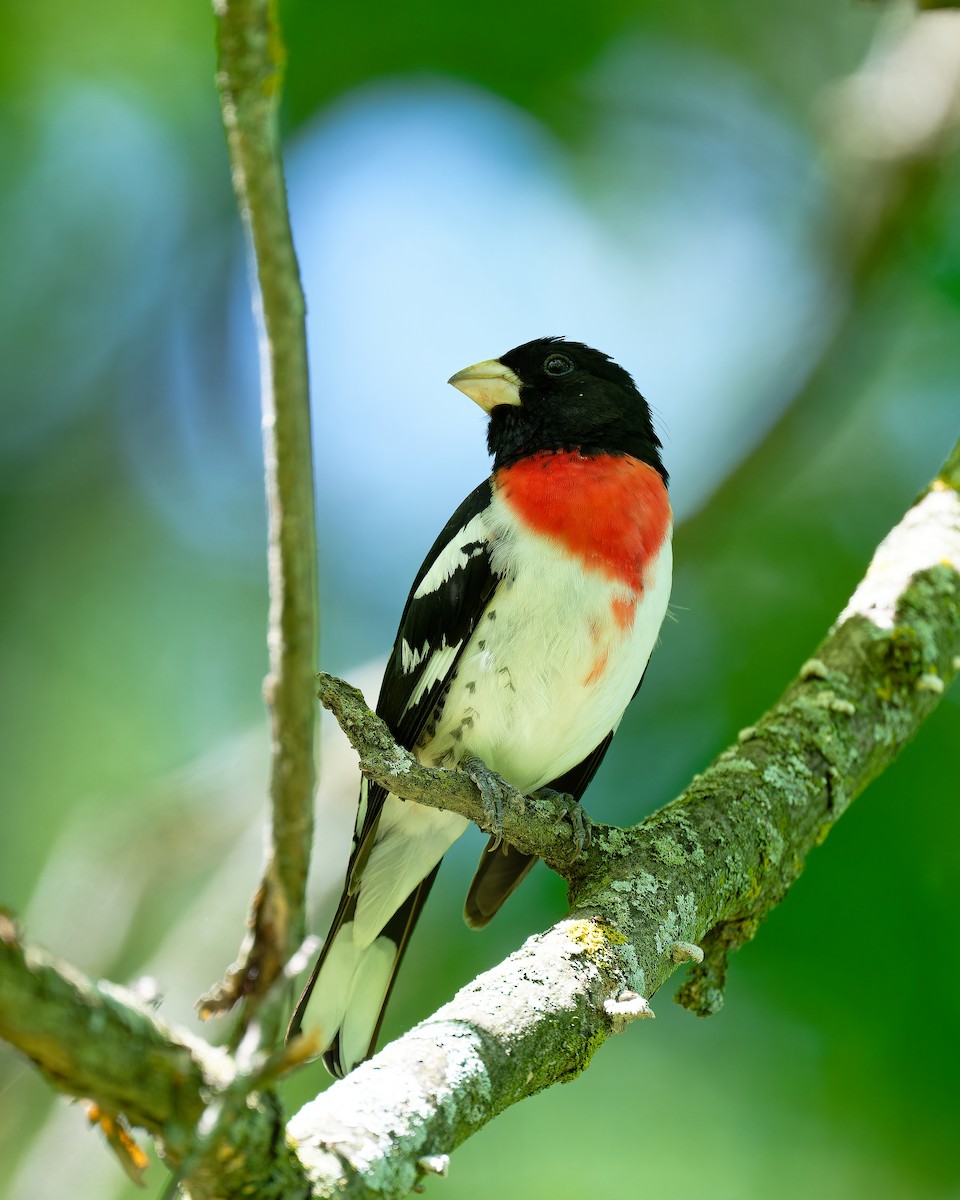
(132,643)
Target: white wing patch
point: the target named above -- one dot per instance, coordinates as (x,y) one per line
(435,670)
(410,659)
(455,555)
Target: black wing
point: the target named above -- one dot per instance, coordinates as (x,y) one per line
(446,601)
(435,626)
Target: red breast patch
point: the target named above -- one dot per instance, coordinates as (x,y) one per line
(611,511)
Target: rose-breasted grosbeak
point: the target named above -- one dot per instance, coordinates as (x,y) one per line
(524,637)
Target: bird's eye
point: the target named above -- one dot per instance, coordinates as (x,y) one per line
(557,364)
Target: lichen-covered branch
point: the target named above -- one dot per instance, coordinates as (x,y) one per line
(533,1021)
(728,849)
(98,1040)
(703,870)
(249,78)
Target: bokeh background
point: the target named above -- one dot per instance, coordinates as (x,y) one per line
(754,209)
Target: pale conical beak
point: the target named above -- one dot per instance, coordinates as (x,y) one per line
(488,384)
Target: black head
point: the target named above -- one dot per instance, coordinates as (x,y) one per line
(551,394)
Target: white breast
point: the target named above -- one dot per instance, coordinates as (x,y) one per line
(548,672)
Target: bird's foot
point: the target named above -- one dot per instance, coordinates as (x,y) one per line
(573,811)
(494,792)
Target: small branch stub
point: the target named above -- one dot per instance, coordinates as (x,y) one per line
(627,1007)
(814,668)
(686,952)
(434,1164)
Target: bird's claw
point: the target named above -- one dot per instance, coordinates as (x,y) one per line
(573,811)
(494,793)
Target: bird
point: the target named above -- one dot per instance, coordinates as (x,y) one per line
(525,634)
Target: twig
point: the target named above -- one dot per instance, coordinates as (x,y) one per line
(249,79)
(98,1040)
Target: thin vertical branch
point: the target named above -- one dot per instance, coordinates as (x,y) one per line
(250,73)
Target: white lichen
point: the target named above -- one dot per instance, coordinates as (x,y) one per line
(628,1006)
(835,703)
(814,668)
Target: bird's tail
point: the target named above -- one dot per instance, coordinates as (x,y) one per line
(499,874)
(347,993)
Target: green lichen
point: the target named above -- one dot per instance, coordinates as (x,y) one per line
(643,884)
(679,923)
(687,909)
(670,850)
(584,1050)
(634,972)
(675,851)
(585,935)
(784,778)
(614,842)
